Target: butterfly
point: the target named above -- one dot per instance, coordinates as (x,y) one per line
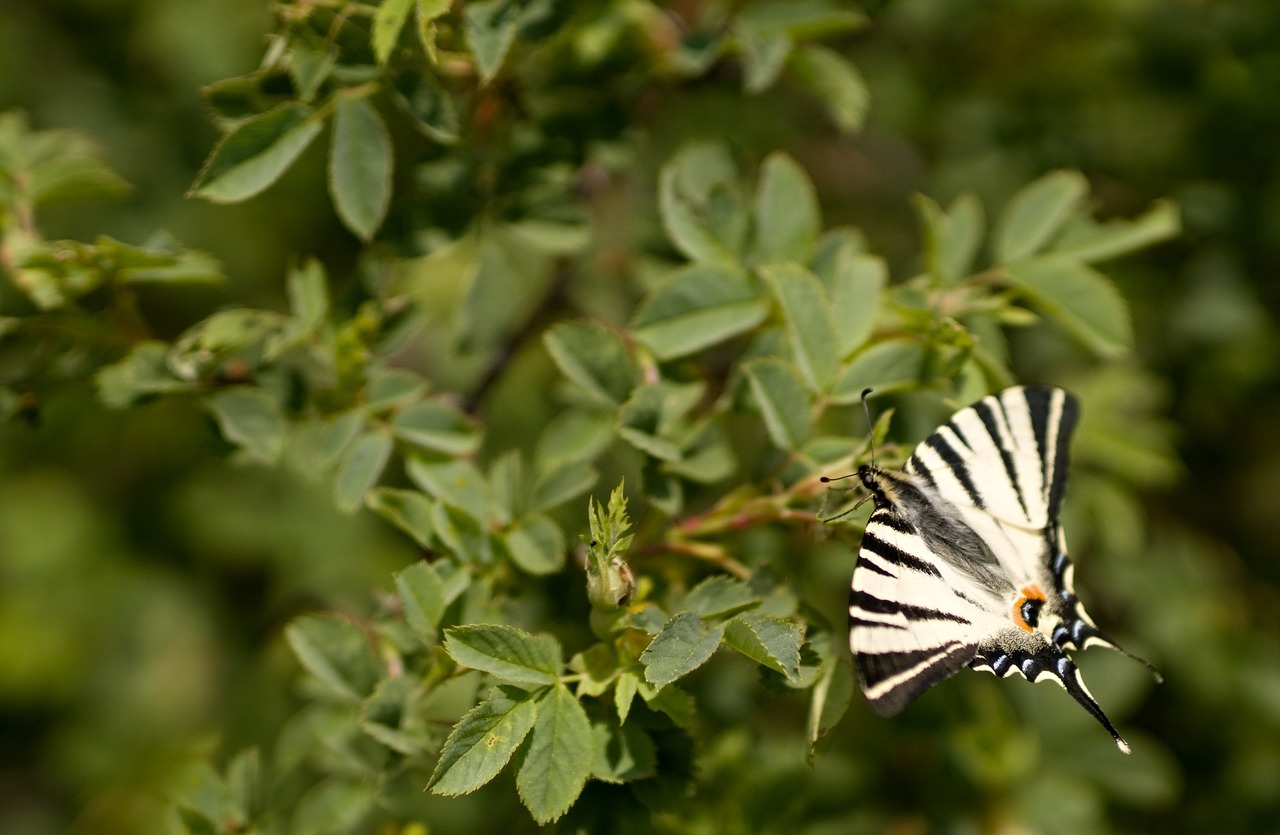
(963,561)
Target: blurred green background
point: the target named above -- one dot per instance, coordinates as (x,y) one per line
(144,578)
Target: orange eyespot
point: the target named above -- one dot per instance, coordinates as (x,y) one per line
(1026,609)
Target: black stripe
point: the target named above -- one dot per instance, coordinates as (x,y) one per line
(988,418)
(873,604)
(951,424)
(874,668)
(892,521)
(893,554)
(871,566)
(916,467)
(956,464)
(874,624)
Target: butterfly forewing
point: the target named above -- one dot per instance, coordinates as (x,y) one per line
(963,561)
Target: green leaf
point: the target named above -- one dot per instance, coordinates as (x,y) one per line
(337,652)
(720,595)
(1036,213)
(463,534)
(244,785)
(483,741)
(624,692)
(456,482)
(491,29)
(683,645)
(836,82)
(699,305)
(308,295)
(806,311)
(387,23)
(700,206)
(772,642)
(317,444)
(250,418)
(196,822)
(422,598)
(622,753)
(593,358)
(855,284)
(804,18)
(536,544)
(505,652)
(408,510)
(360,163)
(886,366)
(555,765)
(333,806)
(951,238)
(574,436)
(783,400)
(391,387)
(787,217)
(360,469)
(1088,241)
(830,699)
(255,154)
(764,52)
(564,482)
(142,373)
(1078,298)
(436,426)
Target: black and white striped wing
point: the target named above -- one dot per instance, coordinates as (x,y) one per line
(963,561)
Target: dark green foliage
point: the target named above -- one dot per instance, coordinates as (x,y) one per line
(564,315)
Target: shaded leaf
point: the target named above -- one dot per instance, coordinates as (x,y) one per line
(437,426)
(536,544)
(336,651)
(593,358)
(254,154)
(951,237)
(719,595)
(783,400)
(360,163)
(1088,241)
(1080,299)
(387,23)
(787,218)
(773,642)
(622,753)
(252,419)
(360,469)
(421,594)
(566,481)
(806,311)
(836,82)
(886,366)
(698,306)
(855,284)
(1036,213)
(491,29)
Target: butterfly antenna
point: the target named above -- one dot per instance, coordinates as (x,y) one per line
(871,428)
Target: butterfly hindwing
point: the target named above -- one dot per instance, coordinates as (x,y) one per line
(963,562)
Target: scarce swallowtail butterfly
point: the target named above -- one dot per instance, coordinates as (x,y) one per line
(963,562)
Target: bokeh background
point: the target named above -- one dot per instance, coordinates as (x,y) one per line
(144,579)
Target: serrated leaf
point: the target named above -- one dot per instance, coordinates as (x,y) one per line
(536,544)
(1078,298)
(421,598)
(491,29)
(700,207)
(593,358)
(698,306)
(886,366)
(360,163)
(836,82)
(787,218)
(555,765)
(387,23)
(255,154)
(622,753)
(336,651)
(783,400)
(683,645)
(951,237)
(250,418)
(719,595)
(483,741)
(1036,213)
(855,283)
(360,469)
(1089,241)
(506,653)
(332,806)
(773,642)
(436,426)
(806,312)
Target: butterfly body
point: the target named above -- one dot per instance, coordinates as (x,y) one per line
(963,562)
